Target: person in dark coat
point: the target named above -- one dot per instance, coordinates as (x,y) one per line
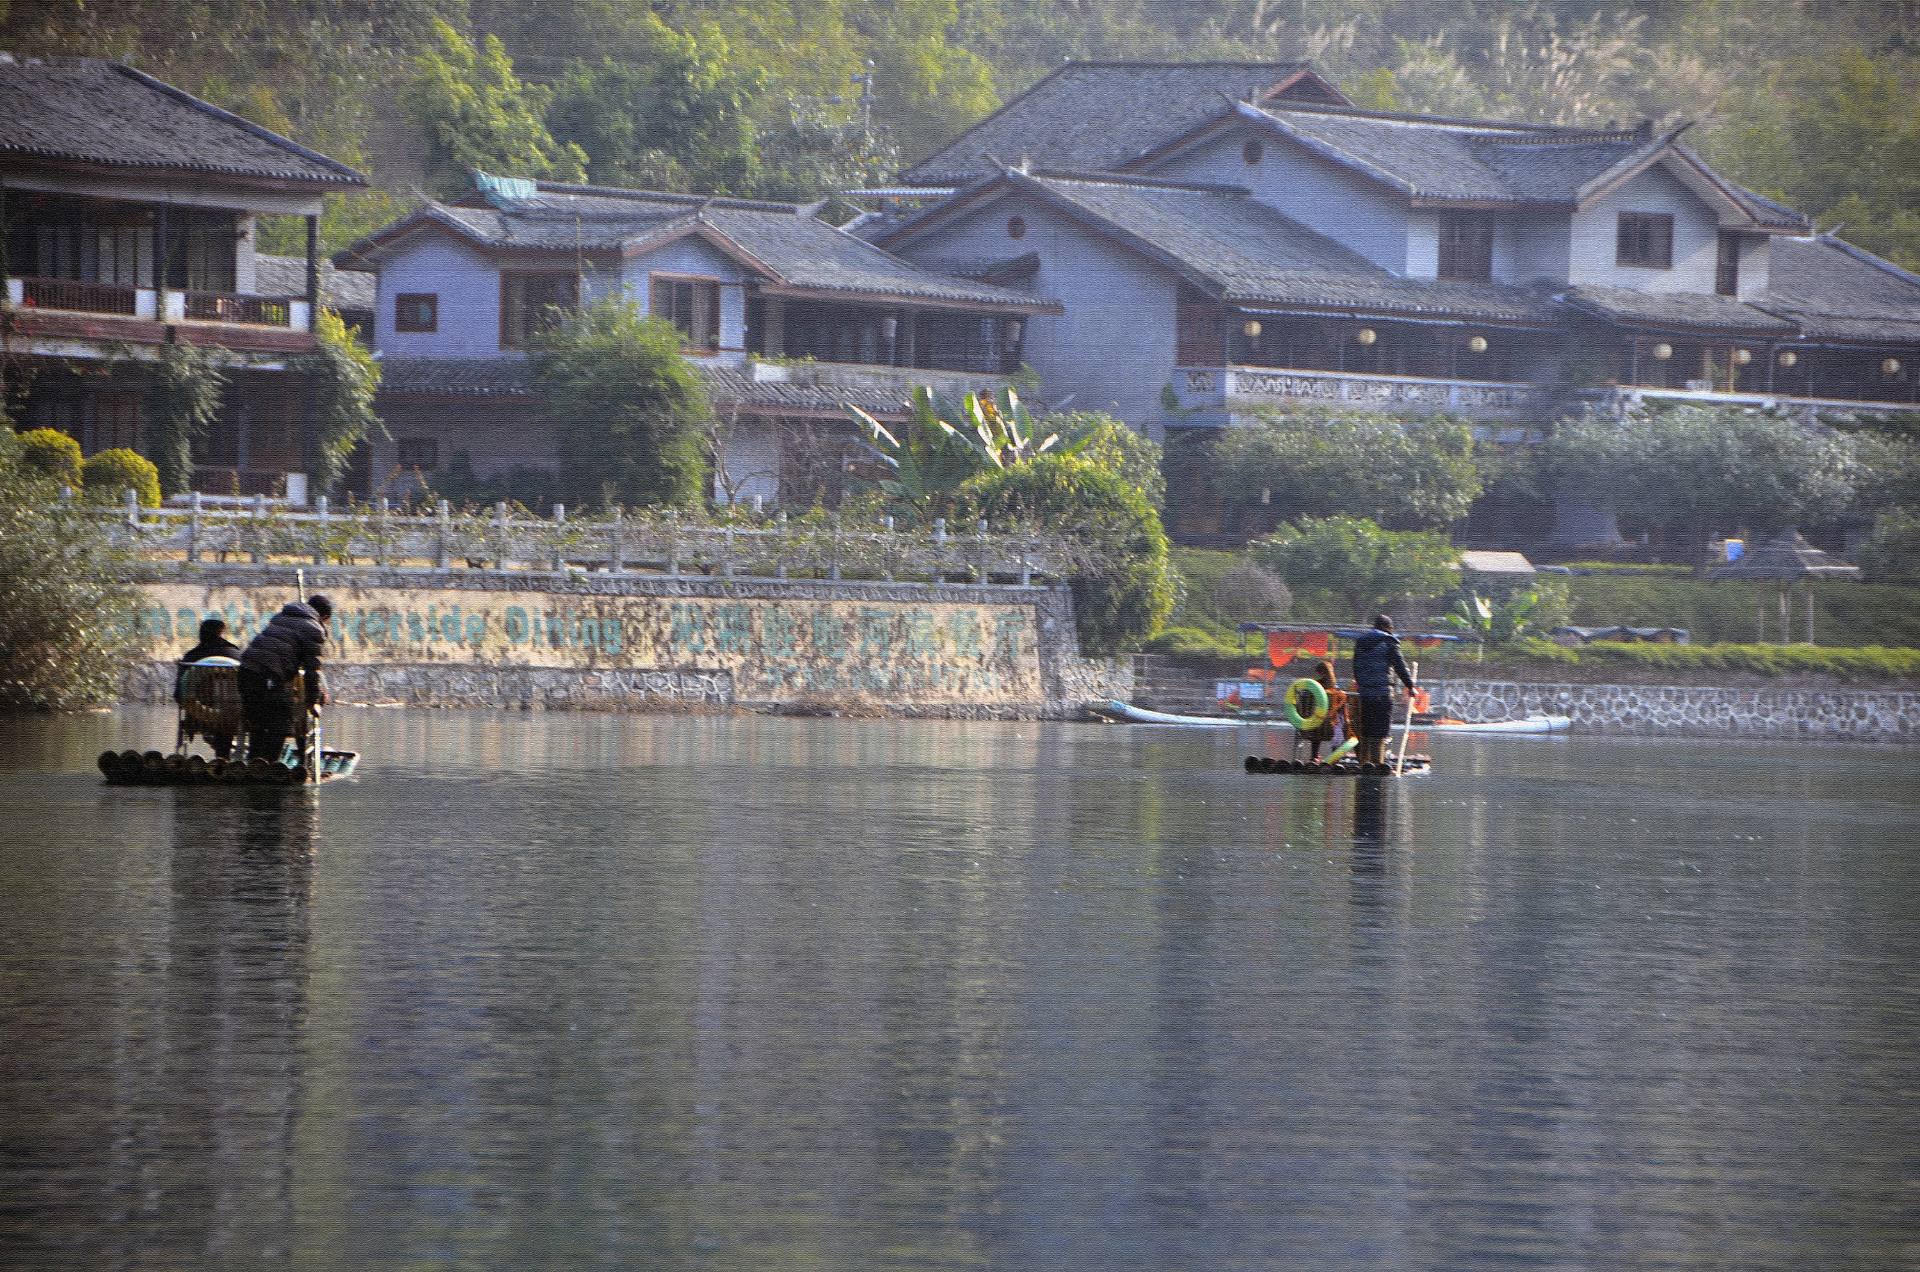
(213,644)
(1376,658)
(287,645)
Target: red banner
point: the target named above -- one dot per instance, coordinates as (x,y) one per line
(1284,647)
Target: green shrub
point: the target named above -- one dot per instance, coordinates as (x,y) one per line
(65,609)
(1892,552)
(111,473)
(1355,563)
(51,454)
(1869,662)
(1193,644)
(1124,590)
(1113,445)
(1248,593)
(1311,463)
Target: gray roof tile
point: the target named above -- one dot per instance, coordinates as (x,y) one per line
(1836,291)
(1256,256)
(728,386)
(92,111)
(1689,311)
(1098,115)
(339,288)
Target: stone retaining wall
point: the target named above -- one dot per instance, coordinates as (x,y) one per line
(1832,715)
(609,641)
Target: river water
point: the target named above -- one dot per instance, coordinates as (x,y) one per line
(743,992)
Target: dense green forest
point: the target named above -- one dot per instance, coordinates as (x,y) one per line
(1815,102)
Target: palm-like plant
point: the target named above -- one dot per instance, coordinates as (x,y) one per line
(942,444)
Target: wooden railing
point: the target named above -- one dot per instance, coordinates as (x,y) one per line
(498,539)
(260,311)
(67,293)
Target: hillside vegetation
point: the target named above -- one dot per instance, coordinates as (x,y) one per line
(1810,101)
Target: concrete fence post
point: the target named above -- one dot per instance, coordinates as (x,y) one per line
(504,533)
(380,552)
(193,527)
(780,554)
(833,568)
(557,558)
(259,516)
(726,553)
(130,498)
(442,546)
(617,542)
(66,494)
(325,513)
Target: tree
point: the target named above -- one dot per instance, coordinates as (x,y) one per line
(478,114)
(1406,473)
(1123,590)
(1113,445)
(64,600)
(1352,562)
(1705,468)
(109,474)
(677,116)
(629,412)
(345,379)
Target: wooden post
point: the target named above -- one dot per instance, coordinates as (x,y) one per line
(441,514)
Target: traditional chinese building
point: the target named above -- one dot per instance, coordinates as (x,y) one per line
(786,317)
(129,218)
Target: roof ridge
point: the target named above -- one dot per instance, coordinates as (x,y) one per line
(1128,179)
(665,196)
(1169,63)
(1449,121)
(228,117)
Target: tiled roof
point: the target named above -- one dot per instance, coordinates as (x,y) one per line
(339,288)
(1836,291)
(1255,256)
(91,111)
(1678,311)
(797,249)
(1098,115)
(728,386)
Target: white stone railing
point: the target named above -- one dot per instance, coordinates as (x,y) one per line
(1246,388)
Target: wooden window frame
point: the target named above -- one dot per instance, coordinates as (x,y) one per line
(1466,247)
(1726,264)
(691,340)
(1644,240)
(431,445)
(507,279)
(429,300)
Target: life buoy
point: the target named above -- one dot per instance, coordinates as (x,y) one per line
(1315,690)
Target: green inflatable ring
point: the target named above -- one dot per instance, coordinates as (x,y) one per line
(1318,716)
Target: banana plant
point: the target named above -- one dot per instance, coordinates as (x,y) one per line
(941,444)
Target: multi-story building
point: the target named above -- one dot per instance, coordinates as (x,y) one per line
(129,215)
(1260,242)
(786,317)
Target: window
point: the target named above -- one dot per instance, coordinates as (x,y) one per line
(530,303)
(1016,227)
(691,304)
(422,453)
(1646,240)
(1726,274)
(416,311)
(200,251)
(1466,245)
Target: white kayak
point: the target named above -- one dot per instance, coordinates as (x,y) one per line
(1131,714)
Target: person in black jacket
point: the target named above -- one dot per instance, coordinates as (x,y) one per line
(213,644)
(289,644)
(1375,655)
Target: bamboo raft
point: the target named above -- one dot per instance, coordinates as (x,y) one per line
(210,710)
(151,768)
(1413,764)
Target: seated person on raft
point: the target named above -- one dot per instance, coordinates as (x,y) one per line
(213,644)
(1376,657)
(1323,734)
(289,644)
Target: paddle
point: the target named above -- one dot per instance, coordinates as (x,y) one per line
(1401,758)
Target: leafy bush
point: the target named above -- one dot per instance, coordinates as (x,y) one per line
(65,608)
(111,473)
(1247,593)
(1407,473)
(1504,615)
(51,454)
(1124,591)
(1892,552)
(345,378)
(1114,445)
(1194,644)
(629,413)
(1352,562)
(184,399)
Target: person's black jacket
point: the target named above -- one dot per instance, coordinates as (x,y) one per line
(1374,656)
(291,641)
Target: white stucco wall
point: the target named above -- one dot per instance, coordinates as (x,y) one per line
(1113,348)
(1696,233)
(468,285)
(1537,248)
(696,257)
(1314,191)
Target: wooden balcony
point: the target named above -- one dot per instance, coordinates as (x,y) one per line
(79,297)
(254,311)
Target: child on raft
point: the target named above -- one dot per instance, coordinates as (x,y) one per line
(1323,733)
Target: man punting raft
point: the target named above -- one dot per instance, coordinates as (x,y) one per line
(1320,711)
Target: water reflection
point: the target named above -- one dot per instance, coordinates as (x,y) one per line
(564,991)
